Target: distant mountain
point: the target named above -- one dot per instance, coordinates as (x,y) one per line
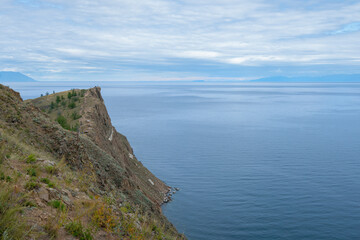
(331,78)
(14,77)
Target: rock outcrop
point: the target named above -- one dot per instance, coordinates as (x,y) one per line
(90,169)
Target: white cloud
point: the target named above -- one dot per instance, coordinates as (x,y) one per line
(9,69)
(102,35)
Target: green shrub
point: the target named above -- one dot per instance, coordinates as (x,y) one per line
(77,230)
(30,185)
(75,116)
(72,105)
(31,172)
(31,158)
(63,122)
(45,180)
(58,205)
(51,169)
(58,99)
(51,185)
(8,179)
(2,176)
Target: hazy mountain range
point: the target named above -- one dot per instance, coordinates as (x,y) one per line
(331,78)
(6,76)
(14,77)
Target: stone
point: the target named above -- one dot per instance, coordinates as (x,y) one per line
(66,200)
(54,194)
(43,194)
(150,181)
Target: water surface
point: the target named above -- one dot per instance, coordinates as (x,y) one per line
(253,161)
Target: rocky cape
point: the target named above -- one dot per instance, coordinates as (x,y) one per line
(96,175)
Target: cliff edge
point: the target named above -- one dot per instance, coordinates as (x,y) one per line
(66,172)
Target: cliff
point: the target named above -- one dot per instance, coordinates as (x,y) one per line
(72,174)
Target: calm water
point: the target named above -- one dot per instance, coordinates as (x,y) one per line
(253,161)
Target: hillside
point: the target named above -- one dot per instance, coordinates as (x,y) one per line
(14,77)
(66,172)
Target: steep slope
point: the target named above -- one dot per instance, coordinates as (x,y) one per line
(90,171)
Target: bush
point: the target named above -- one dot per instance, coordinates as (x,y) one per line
(75,116)
(63,122)
(48,182)
(77,230)
(72,105)
(58,205)
(31,172)
(103,217)
(51,169)
(30,185)
(31,158)
(45,180)
(58,99)
(8,179)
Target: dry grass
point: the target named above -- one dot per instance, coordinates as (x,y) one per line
(12,225)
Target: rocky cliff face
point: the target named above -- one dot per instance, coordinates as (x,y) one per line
(95,123)
(92,169)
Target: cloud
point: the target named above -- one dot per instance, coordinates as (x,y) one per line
(170,39)
(349,28)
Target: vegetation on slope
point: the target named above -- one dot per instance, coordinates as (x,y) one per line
(64,107)
(47,193)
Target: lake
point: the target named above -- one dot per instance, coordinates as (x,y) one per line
(252,160)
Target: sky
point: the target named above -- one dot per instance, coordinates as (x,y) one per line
(63,40)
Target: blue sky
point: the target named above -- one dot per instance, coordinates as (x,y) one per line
(179,39)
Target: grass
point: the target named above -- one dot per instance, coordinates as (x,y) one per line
(31,172)
(104,217)
(51,169)
(48,182)
(75,116)
(30,185)
(12,225)
(31,159)
(45,180)
(76,229)
(58,205)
